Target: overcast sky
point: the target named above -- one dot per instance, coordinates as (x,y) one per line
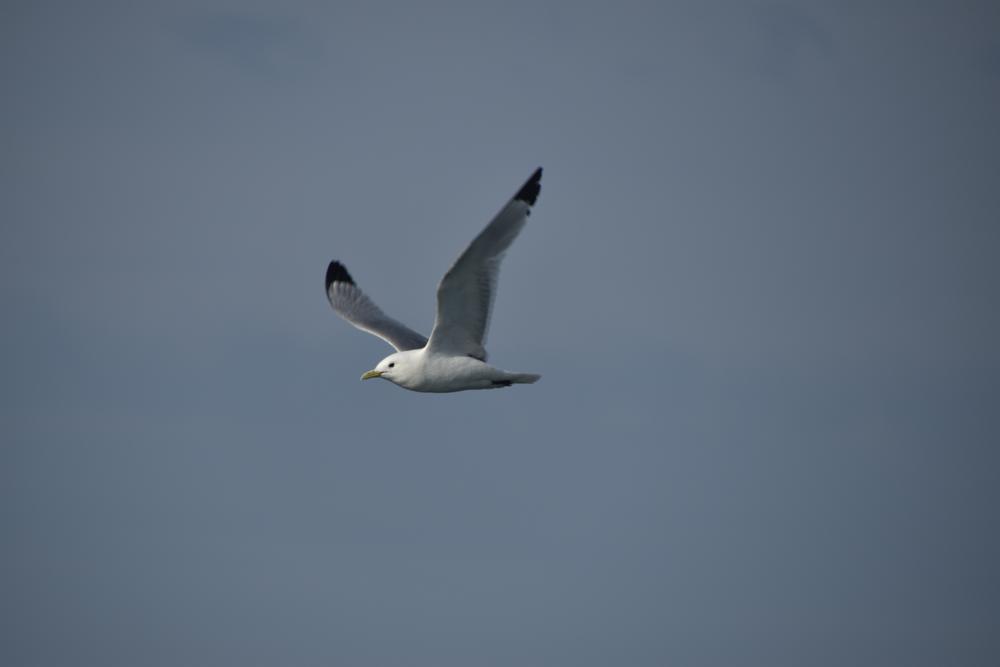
(760,283)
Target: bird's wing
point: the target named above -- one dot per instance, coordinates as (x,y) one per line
(465,294)
(352,304)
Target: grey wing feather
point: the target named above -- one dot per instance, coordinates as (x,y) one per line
(466,293)
(354,306)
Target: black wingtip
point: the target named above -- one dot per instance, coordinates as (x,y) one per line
(337,273)
(529,191)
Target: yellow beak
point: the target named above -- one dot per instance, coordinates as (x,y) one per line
(371,374)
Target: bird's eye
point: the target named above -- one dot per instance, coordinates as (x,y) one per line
(392,364)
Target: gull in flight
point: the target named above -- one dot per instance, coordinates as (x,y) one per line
(453,358)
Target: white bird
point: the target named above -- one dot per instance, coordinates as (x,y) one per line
(453,359)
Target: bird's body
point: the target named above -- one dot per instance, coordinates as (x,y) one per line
(420,370)
(454,357)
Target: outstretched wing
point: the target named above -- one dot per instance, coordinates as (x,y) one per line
(352,304)
(466,293)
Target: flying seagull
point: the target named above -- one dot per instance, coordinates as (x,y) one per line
(453,358)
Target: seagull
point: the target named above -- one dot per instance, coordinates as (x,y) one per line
(453,358)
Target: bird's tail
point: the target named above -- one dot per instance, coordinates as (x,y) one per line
(523,378)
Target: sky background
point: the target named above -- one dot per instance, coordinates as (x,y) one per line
(760,283)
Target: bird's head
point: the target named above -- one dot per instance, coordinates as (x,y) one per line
(394,368)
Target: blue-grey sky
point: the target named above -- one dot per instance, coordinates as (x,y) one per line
(761,284)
